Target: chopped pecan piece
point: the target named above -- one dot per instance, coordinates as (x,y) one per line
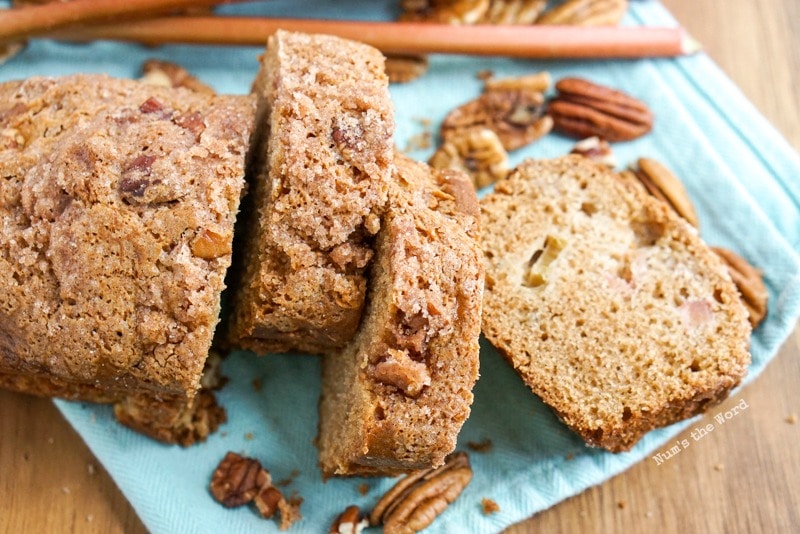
(168,74)
(517,116)
(596,149)
(418,499)
(351,521)
(404,68)
(660,182)
(210,245)
(478,152)
(585,109)
(538,82)
(750,283)
(398,369)
(586,13)
(238,479)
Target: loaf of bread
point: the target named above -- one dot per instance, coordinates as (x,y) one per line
(607,304)
(395,398)
(322,163)
(117,206)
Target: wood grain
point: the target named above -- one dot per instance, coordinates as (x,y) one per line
(742,477)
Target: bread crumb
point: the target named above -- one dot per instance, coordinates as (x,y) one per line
(791,418)
(621,504)
(65,490)
(484,74)
(719,467)
(363,489)
(289,480)
(649,514)
(50,441)
(89,518)
(489,506)
(480,446)
(90,468)
(249,436)
(258,383)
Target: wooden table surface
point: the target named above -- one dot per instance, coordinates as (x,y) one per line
(743,477)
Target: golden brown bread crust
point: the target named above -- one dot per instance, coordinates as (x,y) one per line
(321,165)
(116,220)
(396,397)
(608,305)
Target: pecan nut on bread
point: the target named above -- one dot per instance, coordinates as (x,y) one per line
(322,163)
(395,398)
(606,302)
(117,207)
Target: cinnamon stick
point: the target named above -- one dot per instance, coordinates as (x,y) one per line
(409,38)
(27,21)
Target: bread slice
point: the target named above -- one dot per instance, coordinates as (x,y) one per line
(117,207)
(322,165)
(607,304)
(396,397)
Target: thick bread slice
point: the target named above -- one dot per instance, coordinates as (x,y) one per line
(321,167)
(117,207)
(607,304)
(396,397)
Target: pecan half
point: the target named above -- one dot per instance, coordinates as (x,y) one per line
(660,182)
(596,149)
(585,109)
(513,11)
(418,499)
(478,152)
(750,283)
(238,479)
(404,68)
(516,116)
(444,11)
(586,13)
(351,521)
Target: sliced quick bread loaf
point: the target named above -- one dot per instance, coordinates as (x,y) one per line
(396,397)
(117,207)
(607,304)
(321,166)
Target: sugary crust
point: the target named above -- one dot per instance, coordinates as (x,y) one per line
(117,206)
(322,168)
(633,325)
(395,399)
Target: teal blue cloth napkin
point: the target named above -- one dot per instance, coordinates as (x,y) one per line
(741,173)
